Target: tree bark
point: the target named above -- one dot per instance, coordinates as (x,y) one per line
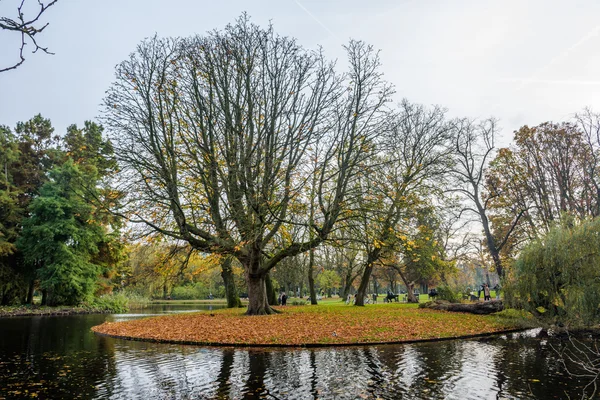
(30,290)
(44,297)
(311,278)
(348,284)
(410,287)
(364,284)
(257,295)
(233,298)
(271,291)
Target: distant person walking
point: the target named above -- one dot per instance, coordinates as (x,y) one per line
(374,298)
(283,299)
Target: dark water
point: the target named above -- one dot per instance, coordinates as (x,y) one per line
(59,357)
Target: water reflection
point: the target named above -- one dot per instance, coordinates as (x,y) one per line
(58,357)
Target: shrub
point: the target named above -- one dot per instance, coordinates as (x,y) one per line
(447,293)
(117,302)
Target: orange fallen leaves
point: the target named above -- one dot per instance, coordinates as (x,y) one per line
(306,325)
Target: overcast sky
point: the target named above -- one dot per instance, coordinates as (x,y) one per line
(522,61)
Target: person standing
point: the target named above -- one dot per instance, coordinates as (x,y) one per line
(486,293)
(283,299)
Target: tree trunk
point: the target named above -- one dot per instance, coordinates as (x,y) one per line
(311,278)
(165,291)
(257,295)
(410,288)
(375,288)
(488,307)
(410,291)
(233,298)
(271,291)
(44,297)
(491,243)
(347,285)
(30,290)
(364,285)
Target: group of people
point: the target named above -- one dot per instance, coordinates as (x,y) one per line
(352,299)
(485,289)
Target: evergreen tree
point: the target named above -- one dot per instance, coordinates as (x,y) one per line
(61,237)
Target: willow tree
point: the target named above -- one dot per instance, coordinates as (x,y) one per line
(212,132)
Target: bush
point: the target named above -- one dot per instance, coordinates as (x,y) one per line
(117,302)
(447,293)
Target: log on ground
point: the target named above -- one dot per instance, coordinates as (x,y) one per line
(481,308)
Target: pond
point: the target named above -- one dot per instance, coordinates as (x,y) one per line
(59,357)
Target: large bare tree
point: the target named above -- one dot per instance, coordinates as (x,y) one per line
(212,131)
(26,28)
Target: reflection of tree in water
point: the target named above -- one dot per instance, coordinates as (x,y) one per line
(73,362)
(224,377)
(528,367)
(52,357)
(255,385)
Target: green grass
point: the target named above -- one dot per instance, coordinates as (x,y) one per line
(203,301)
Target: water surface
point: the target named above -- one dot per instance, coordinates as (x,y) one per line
(59,357)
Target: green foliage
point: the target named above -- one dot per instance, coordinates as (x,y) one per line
(449,294)
(191,292)
(328,280)
(61,236)
(557,278)
(118,302)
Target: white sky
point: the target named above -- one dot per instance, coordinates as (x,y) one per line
(522,61)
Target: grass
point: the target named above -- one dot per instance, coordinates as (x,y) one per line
(203,301)
(26,310)
(107,303)
(331,322)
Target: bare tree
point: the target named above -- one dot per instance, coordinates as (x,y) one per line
(211,133)
(589,123)
(26,28)
(473,148)
(414,149)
